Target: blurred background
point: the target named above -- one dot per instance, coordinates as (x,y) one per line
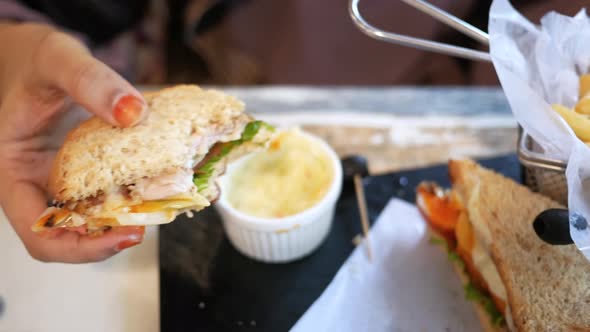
(254,42)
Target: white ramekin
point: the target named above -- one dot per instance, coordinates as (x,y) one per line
(280,240)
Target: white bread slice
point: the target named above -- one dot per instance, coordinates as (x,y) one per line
(97,157)
(548,287)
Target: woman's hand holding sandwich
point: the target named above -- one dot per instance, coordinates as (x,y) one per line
(43,74)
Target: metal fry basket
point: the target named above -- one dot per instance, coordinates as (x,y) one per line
(539,173)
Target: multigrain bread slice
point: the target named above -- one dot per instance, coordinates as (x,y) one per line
(548,287)
(104,176)
(97,156)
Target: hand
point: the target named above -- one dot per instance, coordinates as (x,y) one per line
(43,72)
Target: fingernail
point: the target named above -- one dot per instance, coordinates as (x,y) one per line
(128,110)
(130,242)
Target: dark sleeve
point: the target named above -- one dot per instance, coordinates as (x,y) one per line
(99,20)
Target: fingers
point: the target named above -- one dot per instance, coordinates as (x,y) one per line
(27,202)
(71,247)
(26,160)
(65,62)
(111,242)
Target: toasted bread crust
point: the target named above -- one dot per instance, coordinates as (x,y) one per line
(97,156)
(56,176)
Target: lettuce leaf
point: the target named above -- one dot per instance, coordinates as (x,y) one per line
(472,293)
(451,255)
(203,174)
(475,295)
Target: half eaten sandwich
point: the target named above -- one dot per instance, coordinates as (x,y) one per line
(104,176)
(519,282)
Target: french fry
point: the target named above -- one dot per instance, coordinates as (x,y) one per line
(584,86)
(583,105)
(579,123)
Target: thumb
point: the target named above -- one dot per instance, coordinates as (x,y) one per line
(67,64)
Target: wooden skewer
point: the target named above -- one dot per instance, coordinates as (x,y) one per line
(362,203)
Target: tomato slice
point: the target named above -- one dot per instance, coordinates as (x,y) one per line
(441,209)
(464,234)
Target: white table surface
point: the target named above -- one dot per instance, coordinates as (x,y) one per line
(120,294)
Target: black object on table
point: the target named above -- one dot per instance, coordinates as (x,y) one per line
(206,285)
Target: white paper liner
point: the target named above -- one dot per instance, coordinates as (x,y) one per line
(409,285)
(539,66)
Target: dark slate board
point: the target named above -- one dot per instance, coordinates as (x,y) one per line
(206,285)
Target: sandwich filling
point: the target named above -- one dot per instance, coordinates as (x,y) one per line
(447,216)
(159,199)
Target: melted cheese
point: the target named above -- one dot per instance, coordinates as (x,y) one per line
(150,218)
(488,270)
(116,211)
(170,203)
(155,212)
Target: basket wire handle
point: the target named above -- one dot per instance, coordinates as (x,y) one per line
(423,44)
